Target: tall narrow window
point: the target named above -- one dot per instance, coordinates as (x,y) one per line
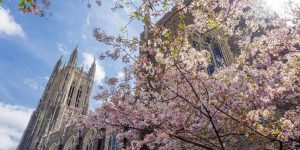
(78,96)
(218,55)
(71,90)
(112,142)
(71,93)
(218,58)
(100,144)
(67,75)
(89,146)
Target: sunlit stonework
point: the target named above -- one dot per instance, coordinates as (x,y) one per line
(66,96)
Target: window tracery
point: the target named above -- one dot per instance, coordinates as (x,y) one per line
(211,42)
(88,141)
(70,144)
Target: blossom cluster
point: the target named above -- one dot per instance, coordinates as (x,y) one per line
(168,101)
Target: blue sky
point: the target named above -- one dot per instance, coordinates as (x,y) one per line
(30,46)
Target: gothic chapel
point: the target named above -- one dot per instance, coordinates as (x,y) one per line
(51,126)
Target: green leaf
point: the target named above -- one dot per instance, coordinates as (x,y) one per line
(0,1)
(22,3)
(298,58)
(152,78)
(136,14)
(213,24)
(123,29)
(181,17)
(226,36)
(165,4)
(168,34)
(298,69)
(276,131)
(144,19)
(182,26)
(173,52)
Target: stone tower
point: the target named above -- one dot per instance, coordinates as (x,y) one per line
(66,96)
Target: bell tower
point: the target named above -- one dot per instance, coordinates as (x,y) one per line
(65,97)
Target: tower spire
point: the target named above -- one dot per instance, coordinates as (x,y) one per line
(82,68)
(73,57)
(92,70)
(57,65)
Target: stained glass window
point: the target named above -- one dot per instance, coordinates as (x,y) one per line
(209,42)
(218,55)
(112,142)
(211,69)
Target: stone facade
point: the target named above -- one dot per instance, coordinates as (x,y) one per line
(66,96)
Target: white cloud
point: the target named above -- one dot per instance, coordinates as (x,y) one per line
(62,49)
(88,60)
(112,22)
(88,21)
(8,26)
(13,121)
(83,36)
(31,83)
(121,75)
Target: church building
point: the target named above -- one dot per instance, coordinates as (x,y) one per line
(52,125)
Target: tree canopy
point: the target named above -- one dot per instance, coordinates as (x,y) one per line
(170,100)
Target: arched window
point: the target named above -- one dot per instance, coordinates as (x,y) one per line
(112,145)
(71,93)
(88,139)
(210,42)
(78,96)
(71,143)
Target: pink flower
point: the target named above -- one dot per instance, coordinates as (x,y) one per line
(112,81)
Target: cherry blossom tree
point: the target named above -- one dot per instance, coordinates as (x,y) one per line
(40,7)
(169,101)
